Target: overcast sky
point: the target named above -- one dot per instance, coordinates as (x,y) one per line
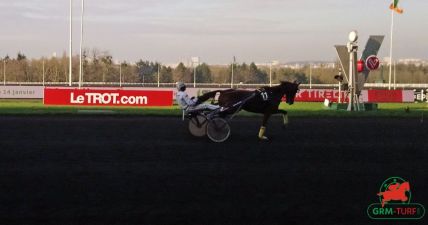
(215,30)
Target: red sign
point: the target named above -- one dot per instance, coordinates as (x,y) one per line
(360,66)
(385,96)
(372,62)
(374,96)
(111,97)
(319,95)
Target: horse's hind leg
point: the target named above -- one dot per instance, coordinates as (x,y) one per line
(263,127)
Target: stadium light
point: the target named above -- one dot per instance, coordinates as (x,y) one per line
(353,36)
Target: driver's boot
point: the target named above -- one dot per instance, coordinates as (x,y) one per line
(262,133)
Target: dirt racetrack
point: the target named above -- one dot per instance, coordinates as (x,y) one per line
(149,170)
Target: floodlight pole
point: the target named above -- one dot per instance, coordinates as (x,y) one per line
(81,44)
(70,68)
(351,83)
(353,103)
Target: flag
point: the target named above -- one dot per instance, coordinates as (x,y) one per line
(394,6)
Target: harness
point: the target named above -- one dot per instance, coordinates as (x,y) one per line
(240,104)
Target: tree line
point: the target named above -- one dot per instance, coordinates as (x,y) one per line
(99,66)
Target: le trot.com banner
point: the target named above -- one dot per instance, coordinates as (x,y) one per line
(165,96)
(107,97)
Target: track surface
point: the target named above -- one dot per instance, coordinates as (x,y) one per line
(149,170)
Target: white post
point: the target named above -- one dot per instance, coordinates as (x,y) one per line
(270,75)
(351,81)
(120,74)
(194,75)
(43,73)
(233,65)
(340,93)
(395,77)
(4,72)
(390,49)
(81,44)
(158,74)
(352,49)
(70,46)
(310,76)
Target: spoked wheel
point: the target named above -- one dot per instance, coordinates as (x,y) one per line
(198,126)
(218,130)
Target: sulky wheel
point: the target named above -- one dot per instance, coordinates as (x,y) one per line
(198,126)
(218,130)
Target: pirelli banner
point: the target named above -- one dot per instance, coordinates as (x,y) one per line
(372,96)
(107,97)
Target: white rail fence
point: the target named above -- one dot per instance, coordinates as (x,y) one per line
(201,85)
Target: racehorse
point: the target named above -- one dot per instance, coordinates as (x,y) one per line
(264,100)
(395,192)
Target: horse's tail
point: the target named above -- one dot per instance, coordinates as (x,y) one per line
(208,95)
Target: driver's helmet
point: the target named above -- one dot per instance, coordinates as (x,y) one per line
(180,86)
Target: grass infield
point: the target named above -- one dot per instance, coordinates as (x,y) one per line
(299,109)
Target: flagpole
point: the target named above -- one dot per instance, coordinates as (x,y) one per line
(390,48)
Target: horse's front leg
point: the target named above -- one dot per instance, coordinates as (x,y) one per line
(262,131)
(284,117)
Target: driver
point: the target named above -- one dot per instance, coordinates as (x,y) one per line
(190,104)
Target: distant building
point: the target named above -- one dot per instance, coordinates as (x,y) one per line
(410,61)
(315,65)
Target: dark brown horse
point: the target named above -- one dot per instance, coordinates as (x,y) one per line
(264,100)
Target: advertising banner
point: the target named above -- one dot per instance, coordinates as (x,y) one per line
(21,92)
(319,95)
(369,96)
(107,97)
(391,96)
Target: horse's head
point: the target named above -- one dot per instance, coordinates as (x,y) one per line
(290,90)
(405,186)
